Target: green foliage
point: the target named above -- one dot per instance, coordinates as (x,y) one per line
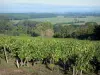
(5,25)
(88,31)
(63,31)
(40,48)
(44,29)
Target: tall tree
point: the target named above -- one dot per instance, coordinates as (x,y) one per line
(44,29)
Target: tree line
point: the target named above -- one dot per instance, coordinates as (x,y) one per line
(88,31)
(21,16)
(46,29)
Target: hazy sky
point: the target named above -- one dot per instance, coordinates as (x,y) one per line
(48,5)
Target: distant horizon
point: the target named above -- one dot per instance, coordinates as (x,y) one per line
(49,6)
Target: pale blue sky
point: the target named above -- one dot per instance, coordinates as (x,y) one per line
(48,5)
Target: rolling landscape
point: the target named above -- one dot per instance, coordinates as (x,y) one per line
(43,37)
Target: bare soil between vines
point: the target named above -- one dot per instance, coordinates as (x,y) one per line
(38,69)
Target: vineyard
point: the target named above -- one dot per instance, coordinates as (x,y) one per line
(73,55)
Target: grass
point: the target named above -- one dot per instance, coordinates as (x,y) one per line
(55,20)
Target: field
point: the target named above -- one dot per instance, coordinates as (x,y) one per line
(61,19)
(28,50)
